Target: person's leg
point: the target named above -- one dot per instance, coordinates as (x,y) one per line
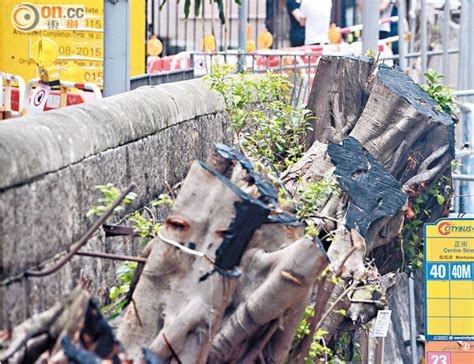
(394,30)
(297,42)
(297,37)
(383,34)
(270,10)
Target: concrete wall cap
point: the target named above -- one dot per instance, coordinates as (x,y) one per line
(38,144)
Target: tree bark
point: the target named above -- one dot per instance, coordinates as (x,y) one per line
(337,105)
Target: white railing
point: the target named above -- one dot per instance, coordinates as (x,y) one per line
(6,95)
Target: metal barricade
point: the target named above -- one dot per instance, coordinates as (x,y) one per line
(154,79)
(6,95)
(63,92)
(463,177)
(298,65)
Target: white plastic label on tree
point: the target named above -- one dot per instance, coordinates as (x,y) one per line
(38,99)
(381,323)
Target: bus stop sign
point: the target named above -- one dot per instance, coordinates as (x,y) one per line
(449,280)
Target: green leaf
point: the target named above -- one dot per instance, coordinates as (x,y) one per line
(197,7)
(440,199)
(162,4)
(114,292)
(187,7)
(220,4)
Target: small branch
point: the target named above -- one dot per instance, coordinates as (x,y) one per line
(325,351)
(322,217)
(35,326)
(150,213)
(136,312)
(112,256)
(338,299)
(367,301)
(256,352)
(171,190)
(172,350)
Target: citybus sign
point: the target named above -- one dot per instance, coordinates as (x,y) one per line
(449,291)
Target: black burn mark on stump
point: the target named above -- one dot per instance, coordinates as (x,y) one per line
(250,214)
(373,192)
(268,193)
(403,86)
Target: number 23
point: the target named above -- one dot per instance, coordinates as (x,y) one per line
(439,359)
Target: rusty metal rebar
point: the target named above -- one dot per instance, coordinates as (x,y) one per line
(112,256)
(75,248)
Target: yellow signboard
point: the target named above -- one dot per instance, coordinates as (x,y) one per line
(449,280)
(76,27)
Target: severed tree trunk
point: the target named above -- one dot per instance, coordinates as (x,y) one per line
(229,276)
(341,91)
(412,145)
(184,312)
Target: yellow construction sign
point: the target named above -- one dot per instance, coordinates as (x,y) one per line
(75,26)
(449,280)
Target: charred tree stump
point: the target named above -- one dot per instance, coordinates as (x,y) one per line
(409,145)
(402,129)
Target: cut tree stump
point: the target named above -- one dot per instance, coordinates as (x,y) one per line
(182,311)
(412,143)
(340,96)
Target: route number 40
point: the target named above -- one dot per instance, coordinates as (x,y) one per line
(438,271)
(438,359)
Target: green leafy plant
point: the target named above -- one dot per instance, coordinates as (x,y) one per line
(443,95)
(311,230)
(371,53)
(144,225)
(454,164)
(412,231)
(278,138)
(309,198)
(274,131)
(317,350)
(265,124)
(118,293)
(242,90)
(312,194)
(163,200)
(110,195)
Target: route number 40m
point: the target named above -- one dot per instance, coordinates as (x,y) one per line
(458,271)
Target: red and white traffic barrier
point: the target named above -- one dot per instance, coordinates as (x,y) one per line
(359,27)
(41,94)
(6,95)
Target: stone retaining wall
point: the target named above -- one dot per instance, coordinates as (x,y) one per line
(51,162)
